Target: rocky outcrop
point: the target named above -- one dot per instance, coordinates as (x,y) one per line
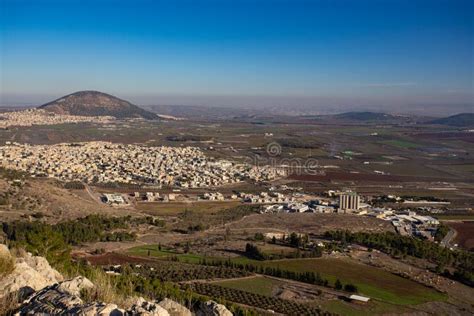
(64,299)
(145,308)
(75,286)
(174,309)
(211,308)
(30,273)
(43,292)
(57,298)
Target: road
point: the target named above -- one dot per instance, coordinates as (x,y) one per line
(91,194)
(446,242)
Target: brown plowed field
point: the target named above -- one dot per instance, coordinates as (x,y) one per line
(465,234)
(366,177)
(112,258)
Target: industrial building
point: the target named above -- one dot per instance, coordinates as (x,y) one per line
(349,202)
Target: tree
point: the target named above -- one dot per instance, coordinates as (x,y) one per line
(338,285)
(295,240)
(253,252)
(350,288)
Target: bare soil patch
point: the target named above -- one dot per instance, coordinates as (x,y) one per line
(366,177)
(309,223)
(112,258)
(465,234)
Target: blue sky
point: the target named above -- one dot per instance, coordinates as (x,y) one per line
(363,52)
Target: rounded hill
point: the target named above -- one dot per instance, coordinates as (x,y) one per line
(95,103)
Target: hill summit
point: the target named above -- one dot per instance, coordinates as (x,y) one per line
(95,103)
(364,116)
(459,120)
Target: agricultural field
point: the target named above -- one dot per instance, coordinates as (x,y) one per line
(402,144)
(153,251)
(373,308)
(275,287)
(456,217)
(464,233)
(171,271)
(264,302)
(257,285)
(370,281)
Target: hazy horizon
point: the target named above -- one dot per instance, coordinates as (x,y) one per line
(400,56)
(300,105)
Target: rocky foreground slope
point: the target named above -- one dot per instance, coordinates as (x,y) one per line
(43,291)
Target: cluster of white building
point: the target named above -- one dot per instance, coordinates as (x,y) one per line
(414,224)
(405,222)
(41,117)
(105,162)
(155,197)
(265,197)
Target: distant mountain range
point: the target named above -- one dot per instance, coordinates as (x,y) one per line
(461,120)
(458,120)
(364,116)
(95,103)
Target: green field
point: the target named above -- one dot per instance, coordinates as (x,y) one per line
(370,281)
(257,285)
(372,308)
(153,251)
(373,282)
(164,254)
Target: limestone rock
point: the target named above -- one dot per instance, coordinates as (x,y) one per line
(63,299)
(74,286)
(56,299)
(145,308)
(174,308)
(30,273)
(41,265)
(47,294)
(102,309)
(211,308)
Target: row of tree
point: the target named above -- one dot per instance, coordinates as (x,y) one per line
(461,261)
(306,277)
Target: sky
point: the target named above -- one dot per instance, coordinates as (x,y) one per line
(383,53)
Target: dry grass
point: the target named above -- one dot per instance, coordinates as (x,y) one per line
(7,260)
(105,290)
(7,264)
(9,304)
(176,208)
